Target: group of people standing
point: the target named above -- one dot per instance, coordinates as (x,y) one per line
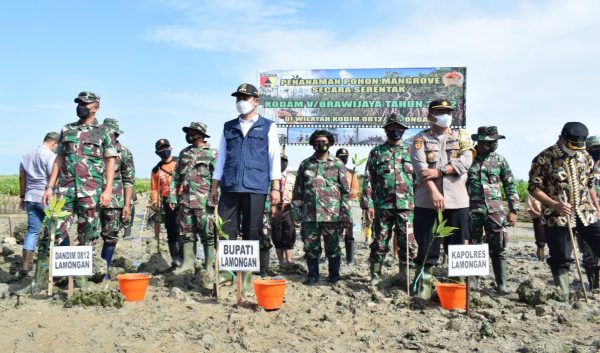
(405,186)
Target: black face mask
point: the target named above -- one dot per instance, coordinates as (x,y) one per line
(394,135)
(83,112)
(595,154)
(191,138)
(321,147)
(343,159)
(284,166)
(164,154)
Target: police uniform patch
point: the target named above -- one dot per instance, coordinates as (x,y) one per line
(430,156)
(453,154)
(418,143)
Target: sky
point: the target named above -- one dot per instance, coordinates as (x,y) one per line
(160,64)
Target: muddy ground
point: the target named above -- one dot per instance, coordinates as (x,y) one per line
(348,317)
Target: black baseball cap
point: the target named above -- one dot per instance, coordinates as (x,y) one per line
(440,104)
(247,90)
(162,143)
(575,133)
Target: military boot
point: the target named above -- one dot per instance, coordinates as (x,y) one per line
(349,251)
(375,268)
(174,252)
(108,250)
(426,283)
(264,262)
(499,266)
(312,277)
(334,269)
(562,281)
(247,283)
(208,277)
(189,259)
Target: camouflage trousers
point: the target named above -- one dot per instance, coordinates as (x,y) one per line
(312,232)
(87,210)
(196,223)
(493,223)
(110,220)
(387,223)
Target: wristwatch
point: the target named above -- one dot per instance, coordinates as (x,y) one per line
(442,170)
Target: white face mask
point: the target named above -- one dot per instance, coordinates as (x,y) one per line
(244,107)
(568,151)
(443,120)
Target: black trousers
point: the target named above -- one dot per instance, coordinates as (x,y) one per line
(283,232)
(423,224)
(561,248)
(539,232)
(245,209)
(171,223)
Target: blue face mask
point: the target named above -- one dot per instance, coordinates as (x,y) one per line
(394,135)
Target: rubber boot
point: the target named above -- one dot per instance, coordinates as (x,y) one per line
(349,251)
(540,253)
(592,276)
(208,278)
(27,260)
(375,268)
(40,277)
(334,269)
(174,252)
(247,283)
(312,277)
(226,276)
(368,232)
(403,273)
(108,250)
(499,266)
(81,282)
(425,283)
(562,281)
(264,262)
(474,282)
(189,257)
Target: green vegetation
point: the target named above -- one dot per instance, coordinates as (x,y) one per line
(9,185)
(141,186)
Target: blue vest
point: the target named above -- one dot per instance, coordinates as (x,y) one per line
(246,167)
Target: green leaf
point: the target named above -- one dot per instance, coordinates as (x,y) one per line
(48,213)
(62,214)
(60,204)
(440,216)
(53,202)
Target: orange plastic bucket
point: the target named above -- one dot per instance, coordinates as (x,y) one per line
(452,295)
(269,292)
(133,285)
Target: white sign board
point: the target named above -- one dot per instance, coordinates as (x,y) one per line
(239,255)
(72,261)
(468,260)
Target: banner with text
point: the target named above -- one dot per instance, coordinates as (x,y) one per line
(468,260)
(351,98)
(239,255)
(72,261)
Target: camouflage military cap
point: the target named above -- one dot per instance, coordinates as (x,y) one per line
(394,118)
(52,136)
(246,89)
(198,126)
(440,104)
(487,133)
(87,97)
(112,124)
(592,141)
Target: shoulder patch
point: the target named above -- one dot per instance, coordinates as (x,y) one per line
(418,144)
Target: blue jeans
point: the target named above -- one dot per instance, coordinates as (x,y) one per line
(35,216)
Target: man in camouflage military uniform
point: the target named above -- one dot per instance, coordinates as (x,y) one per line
(441,157)
(85,164)
(120,206)
(562,179)
(388,198)
(195,215)
(320,203)
(488,170)
(590,262)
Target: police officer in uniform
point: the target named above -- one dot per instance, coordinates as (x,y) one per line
(441,157)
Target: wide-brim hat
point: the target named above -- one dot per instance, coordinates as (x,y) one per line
(394,118)
(112,124)
(487,133)
(198,126)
